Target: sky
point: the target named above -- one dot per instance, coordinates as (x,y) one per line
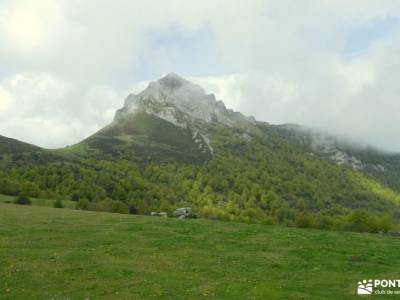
(333,65)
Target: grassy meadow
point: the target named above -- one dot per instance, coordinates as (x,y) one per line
(48,253)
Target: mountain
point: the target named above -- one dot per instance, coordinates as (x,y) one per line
(383,166)
(173,145)
(170,119)
(12,146)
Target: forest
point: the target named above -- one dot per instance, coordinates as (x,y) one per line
(268,179)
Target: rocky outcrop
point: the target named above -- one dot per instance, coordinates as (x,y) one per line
(186,105)
(183,212)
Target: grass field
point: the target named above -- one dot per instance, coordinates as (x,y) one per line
(39,202)
(48,253)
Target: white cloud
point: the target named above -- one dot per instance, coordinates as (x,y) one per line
(226,87)
(48,111)
(66,65)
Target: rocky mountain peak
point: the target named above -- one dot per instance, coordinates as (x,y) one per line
(186,106)
(182,103)
(173,81)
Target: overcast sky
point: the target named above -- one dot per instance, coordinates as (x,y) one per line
(66,65)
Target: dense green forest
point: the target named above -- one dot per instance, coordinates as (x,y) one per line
(265,178)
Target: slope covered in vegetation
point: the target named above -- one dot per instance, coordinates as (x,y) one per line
(12,146)
(173,145)
(261,177)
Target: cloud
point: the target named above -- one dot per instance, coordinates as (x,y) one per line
(67,65)
(355,99)
(48,111)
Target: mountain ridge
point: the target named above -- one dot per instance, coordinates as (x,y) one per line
(10,145)
(175,91)
(174,145)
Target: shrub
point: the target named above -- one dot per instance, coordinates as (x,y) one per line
(82,204)
(286,214)
(214,213)
(112,206)
(58,204)
(132,209)
(75,197)
(323,222)
(22,200)
(360,220)
(119,207)
(385,223)
(268,220)
(304,221)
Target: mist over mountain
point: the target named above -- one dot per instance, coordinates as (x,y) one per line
(168,149)
(174,145)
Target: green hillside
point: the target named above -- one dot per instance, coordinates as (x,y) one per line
(141,137)
(382,166)
(260,177)
(12,146)
(48,253)
(173,145)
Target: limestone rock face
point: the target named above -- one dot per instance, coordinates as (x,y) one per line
(183,103)
(183,212)
(339,151)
